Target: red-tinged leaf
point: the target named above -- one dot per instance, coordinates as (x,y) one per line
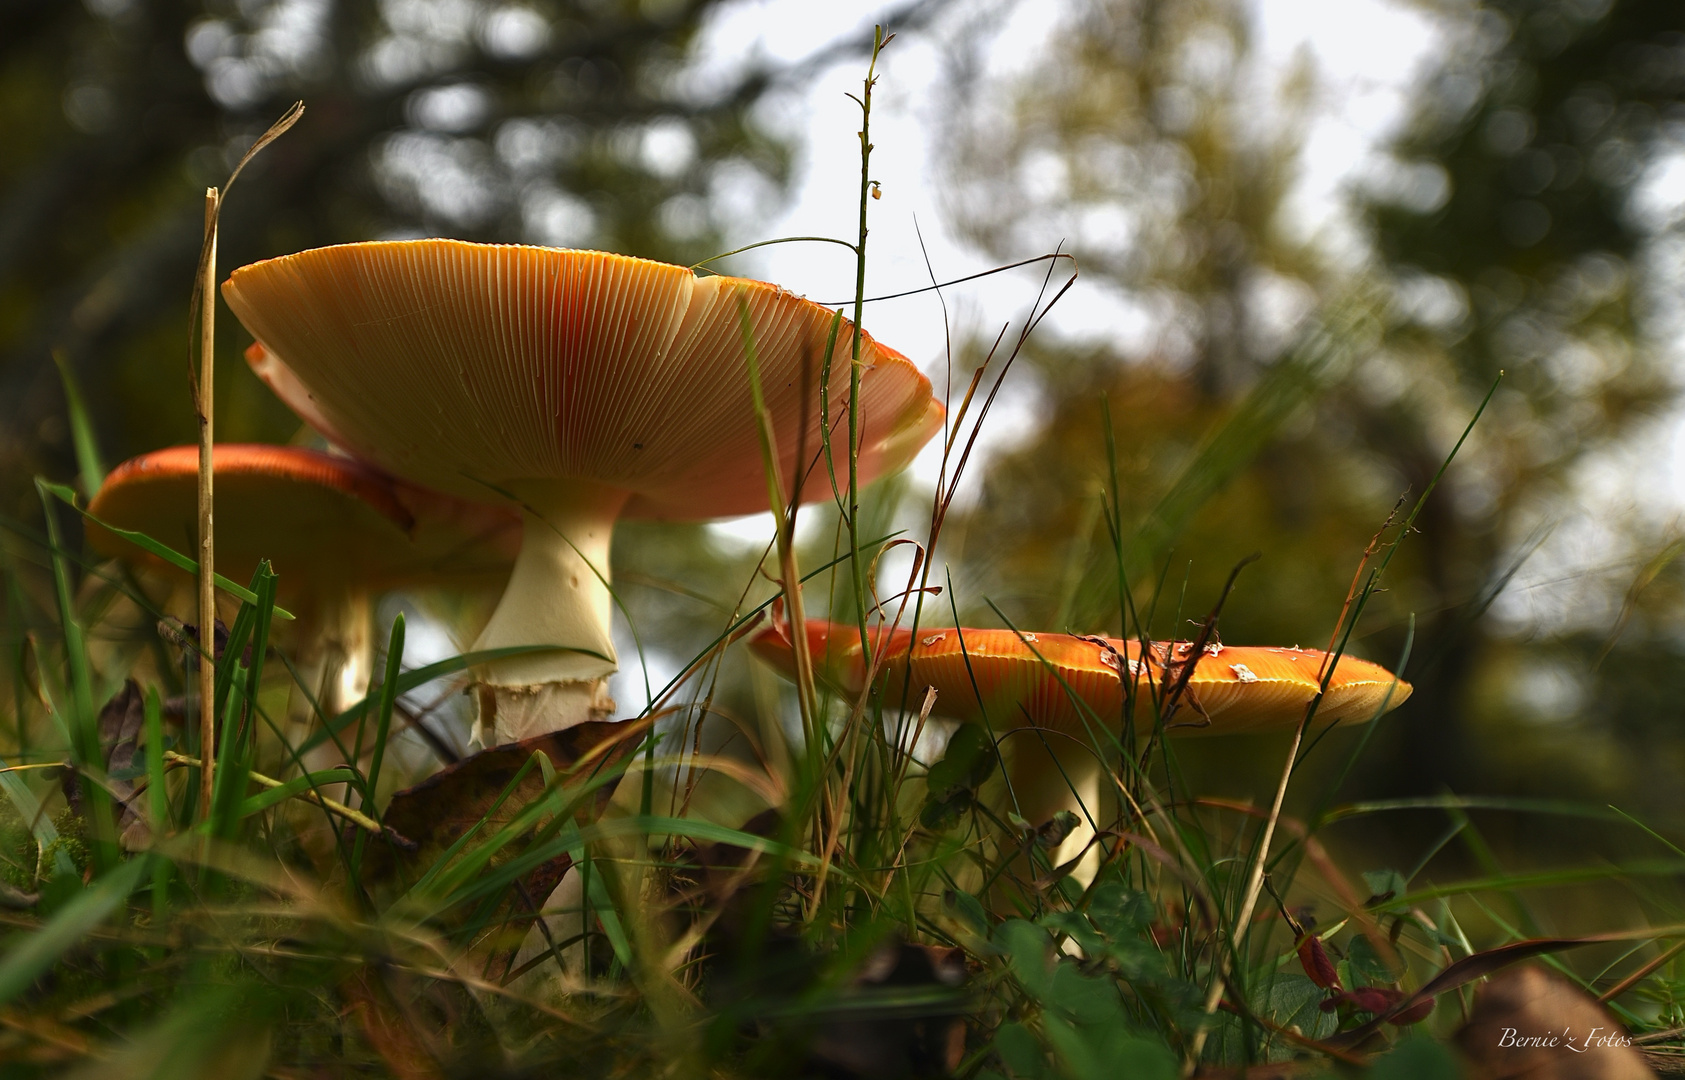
(1317,964)
(1373,999)
(1415,1014)
(1481,964)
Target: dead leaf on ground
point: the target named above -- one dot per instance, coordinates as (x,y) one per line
(435,813)
(1531,1024)
(121,721)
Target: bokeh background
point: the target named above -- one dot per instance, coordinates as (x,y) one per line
(1487,185)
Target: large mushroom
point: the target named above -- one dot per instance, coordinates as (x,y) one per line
(1056,686)
(580,386)
(335,529)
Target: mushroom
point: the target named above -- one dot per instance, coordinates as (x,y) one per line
(1057,683)
(580,386)
(1014,679)
(335,529)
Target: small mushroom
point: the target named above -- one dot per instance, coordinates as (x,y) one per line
(1040,679)
(580,386)
(1019,684)
(335,529)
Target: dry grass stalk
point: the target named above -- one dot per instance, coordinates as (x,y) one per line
(207,543)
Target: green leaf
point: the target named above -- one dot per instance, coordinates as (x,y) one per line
(29,809)
(32,952)
(1120,912)
(1138,960)
(1367,967)
(1078,928)
(1108,1052)
(968,909)
(1085,999)
(1384,885)
(967,762)
(1294,1001)
(1133,1056)
(1025,945)
(1417,1059)
(1020,1052)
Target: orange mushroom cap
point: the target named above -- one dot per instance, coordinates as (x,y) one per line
(461,365)
(1041,678)
(320,518)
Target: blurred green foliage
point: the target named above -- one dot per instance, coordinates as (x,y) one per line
(1499,232)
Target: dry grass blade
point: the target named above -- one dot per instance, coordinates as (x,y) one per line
(203,306)
(204,400)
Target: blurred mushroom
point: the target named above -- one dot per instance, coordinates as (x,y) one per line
(1049,683)
(579,385)
(335,530)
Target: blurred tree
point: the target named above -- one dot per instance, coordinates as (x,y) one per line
(1512,210)
(569,122)
(1502,238)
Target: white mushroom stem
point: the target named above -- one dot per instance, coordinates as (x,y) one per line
(557,596)
(1059,774)
(333,656)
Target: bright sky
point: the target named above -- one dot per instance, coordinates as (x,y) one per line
(1365,53)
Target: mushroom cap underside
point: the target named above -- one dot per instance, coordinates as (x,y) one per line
(1060,680)
(318,517)
(471,367)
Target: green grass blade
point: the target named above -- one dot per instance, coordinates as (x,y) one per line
(83,721)
(262,801)
(32,952)
(230,777)
(388,698)
(1557,807)
(157,803)
(40,825)
(383,728)
(83,718)
(1510,883)
(88,461)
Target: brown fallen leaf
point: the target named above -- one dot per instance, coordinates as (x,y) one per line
(120,722)
(1531,1024)
(435,813)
